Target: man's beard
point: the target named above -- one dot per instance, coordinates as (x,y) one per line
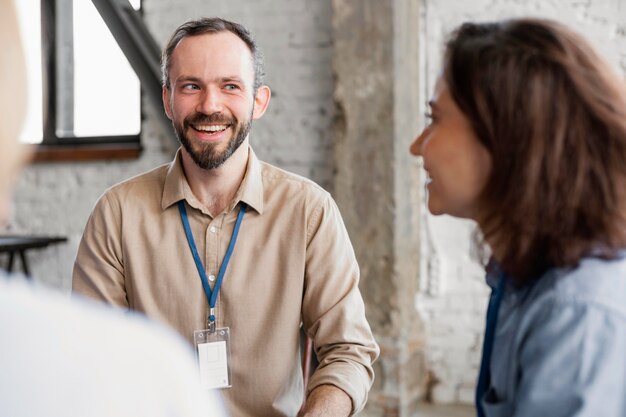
(208,156)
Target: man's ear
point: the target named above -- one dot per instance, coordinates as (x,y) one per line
(166,102)
(261,101)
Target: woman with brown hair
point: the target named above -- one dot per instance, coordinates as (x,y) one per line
(528,138)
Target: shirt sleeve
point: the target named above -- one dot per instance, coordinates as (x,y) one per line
(99,267)
(333,310)
(572,363)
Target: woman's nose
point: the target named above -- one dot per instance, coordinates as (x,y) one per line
(416,146)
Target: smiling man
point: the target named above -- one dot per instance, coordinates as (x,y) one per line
(232,252)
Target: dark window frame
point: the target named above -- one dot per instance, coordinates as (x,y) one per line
(54,148)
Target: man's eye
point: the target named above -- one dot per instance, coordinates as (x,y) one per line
(190,87)
(231,87)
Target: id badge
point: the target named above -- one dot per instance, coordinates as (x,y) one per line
(213,349)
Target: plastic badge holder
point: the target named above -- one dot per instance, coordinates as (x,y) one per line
(213,349)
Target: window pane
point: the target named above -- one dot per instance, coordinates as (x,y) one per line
(106,89)
(29,13)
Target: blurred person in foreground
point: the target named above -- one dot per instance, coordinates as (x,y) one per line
(60,358)
(528,139)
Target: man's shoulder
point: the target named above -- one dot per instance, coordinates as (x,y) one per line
(279,180)
(145,189)
(154,178)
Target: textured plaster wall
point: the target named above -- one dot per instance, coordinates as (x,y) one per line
(453,298)
(376,65)
(295,133)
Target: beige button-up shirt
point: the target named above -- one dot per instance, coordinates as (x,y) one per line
(293,263)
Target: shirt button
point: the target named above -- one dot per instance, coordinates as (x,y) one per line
(213,229)
(211,278)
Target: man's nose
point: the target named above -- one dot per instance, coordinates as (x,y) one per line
(210,102)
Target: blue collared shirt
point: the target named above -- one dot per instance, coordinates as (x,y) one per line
(560,344)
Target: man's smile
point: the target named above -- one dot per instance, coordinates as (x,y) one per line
(210,128)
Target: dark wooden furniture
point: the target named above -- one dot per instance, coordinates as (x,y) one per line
(18,245)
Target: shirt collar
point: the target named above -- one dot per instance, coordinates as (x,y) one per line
(250,191)
(494,273)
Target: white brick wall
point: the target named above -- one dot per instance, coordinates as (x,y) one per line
(454,318)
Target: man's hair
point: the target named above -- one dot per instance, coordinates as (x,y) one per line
(552,115)
(212,25)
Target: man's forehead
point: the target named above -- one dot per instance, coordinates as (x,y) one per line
(218,50)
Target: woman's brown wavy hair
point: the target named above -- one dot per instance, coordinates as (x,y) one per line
(552,114)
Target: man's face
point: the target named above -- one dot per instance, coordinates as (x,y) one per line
(210,100)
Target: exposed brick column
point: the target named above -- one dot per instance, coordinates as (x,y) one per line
(375,60)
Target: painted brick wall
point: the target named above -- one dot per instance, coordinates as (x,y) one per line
(453,298)
(294,133)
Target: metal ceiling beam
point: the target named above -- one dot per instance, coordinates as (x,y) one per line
(132,35)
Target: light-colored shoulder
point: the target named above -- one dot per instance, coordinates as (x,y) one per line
(154,177)
(277,178)
(144,368)
(595,282)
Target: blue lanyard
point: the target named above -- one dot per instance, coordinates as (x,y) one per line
(484,376)
(211,295)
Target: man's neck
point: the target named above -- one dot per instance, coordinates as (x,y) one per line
(216,188)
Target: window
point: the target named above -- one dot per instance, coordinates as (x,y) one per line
(82,91)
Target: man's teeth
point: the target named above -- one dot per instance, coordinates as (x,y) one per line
(211,128)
